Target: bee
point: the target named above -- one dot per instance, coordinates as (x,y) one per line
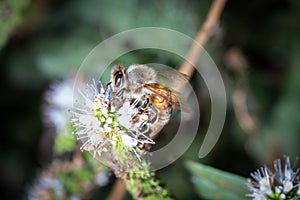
(150,103)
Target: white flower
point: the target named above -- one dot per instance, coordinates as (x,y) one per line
(101,179)
(282,183)
(58,99)
(124,118)
(104,110)
(101,129)
(109,120)
(88,128)
(45,183)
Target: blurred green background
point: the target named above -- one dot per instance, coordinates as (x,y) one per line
(256,47)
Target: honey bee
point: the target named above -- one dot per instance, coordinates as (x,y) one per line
(150,102)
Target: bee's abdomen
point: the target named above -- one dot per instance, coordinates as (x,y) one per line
(161,103)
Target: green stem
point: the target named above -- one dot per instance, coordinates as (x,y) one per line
(142,183)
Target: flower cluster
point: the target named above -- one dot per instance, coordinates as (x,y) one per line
(282,183)
(57,101)
(42,186)
(71,179)
(98,124)
(64,178)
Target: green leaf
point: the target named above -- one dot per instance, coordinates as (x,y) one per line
(214,184)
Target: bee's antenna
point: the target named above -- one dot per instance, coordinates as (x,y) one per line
(107,85)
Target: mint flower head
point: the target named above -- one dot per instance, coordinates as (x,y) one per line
(56,103)
(104,130)
(281,183)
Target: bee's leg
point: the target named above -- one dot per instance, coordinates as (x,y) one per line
(148,140)
(143,127)
(133,133)
(136,102)
(146,102)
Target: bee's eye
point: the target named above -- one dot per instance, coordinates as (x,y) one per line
(118,79)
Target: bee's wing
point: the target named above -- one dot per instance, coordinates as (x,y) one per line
(172,79)
(170,95)
(177,82)
(164,92)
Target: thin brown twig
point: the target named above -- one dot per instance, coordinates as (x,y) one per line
(202,37)
(118,191)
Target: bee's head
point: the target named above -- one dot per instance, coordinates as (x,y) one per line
(118,77)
